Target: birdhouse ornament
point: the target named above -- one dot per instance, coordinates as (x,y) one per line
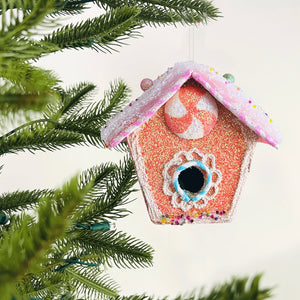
(191,135)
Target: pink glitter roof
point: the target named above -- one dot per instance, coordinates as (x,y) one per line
(227,93)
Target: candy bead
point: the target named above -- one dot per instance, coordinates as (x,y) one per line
(146,84)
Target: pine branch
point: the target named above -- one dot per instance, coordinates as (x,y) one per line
(72,100)
(24,49)
(23,6)
(154,12)
(20,200)
(76,96)
(92,283)
(114,100)
(14,102)
(115,248)
(38,137)
(23,247)
(28,78)
(15,25)
(42,286)
(102,33)
(112,186)
(26,87)
(60,7)
(72,122)
(89,120)
(236,289)
(99,176)
(70,8)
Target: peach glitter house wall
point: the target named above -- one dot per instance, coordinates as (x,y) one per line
(153,145)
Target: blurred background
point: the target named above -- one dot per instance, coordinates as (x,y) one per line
(259,43)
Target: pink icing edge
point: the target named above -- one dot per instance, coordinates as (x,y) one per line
(267,132)
(234,100)
(167,91)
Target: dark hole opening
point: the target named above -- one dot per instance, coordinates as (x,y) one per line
(191,180)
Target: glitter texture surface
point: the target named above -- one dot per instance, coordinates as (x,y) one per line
(153,145)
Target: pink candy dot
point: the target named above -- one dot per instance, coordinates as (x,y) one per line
(146,84)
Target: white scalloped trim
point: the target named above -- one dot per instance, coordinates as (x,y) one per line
(177,161)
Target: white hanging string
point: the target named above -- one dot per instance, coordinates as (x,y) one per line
(191,42)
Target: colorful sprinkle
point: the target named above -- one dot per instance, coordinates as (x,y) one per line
(229,77)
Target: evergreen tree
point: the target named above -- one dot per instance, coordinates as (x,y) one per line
(55,242)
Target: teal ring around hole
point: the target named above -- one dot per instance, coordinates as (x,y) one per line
(184,196)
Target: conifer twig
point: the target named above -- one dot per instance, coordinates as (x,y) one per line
(93,283)
(112,186)
(163,12)
(102,33)
(236,289)
(115,248)
(20,200)
(23,249)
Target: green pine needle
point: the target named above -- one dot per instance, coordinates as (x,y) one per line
(22,49)
(80,116)
(236,289)
(92,283)
(102,33)
(15,24)
(112,186)
(28,78)
(69,8)
(73,121)
(115,248)
(24,247)
(20,200)
(72,100)
(42,286)
(39,137)
(26,87)
(169,11)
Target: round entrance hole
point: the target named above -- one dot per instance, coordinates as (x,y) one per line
(191,180)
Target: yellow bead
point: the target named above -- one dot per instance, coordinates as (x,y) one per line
(211,69)
(254,106)
(271,120)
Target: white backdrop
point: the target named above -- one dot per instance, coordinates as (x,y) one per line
(258,42)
